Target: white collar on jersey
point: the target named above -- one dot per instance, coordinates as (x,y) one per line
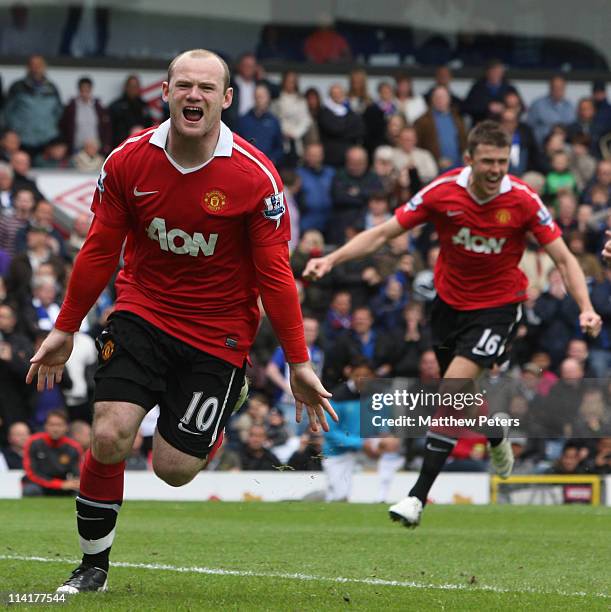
(463,181)
(224,146)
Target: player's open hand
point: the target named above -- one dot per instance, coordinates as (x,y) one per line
(50,359)
(590,323)
(309,392)
(316,268)
(607,249)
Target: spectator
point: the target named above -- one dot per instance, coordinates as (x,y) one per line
(352,187)
(600,353)
(524,155)
(566,216)
(79,369)
(312,98)
(551,110)
(559,315)
(308,458)
(22,164)
(584,124)
(415,341)
(383,167)
(485,98)
(7,186)
(9,144)
(256,413)
(15,353)
(51,459)
(44,302)
(292,111)
(343,440)
(80,431)
(18,434)
(88,159)
(441,131)
(85,119)
(376,116)
(602,118)
(583,163)
(14,219)
(409,155)
(410,105)
(589,263)
(245,81)
(325,45)
(54,155)
(600,463)
(315,195)
(569,462)
(560,178)
(279,374)
(339,126)
(378,211)
(43,217)
(601,182)
(338,319)
(358,91)
(128,112)
(33,107)
(262,128)
(253,454)
(394,125)
(363,342)
(443,76)
(388,306)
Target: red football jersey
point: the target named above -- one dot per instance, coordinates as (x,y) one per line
(481,243)
(188,265)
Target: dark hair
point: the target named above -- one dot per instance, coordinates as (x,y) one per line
(85,81)
(56,412)
(487,133)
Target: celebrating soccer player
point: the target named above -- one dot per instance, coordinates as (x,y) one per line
(207,230)
(482,215)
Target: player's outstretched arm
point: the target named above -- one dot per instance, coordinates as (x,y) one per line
(362,244)
(93,268)
(575,282)
(309,393)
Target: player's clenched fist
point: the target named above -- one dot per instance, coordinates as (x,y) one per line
(607,249)
(590,323)
(316,268)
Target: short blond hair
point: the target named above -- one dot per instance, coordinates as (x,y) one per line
(201,53)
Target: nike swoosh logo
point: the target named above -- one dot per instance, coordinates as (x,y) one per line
(143,193)
(430,447)
(453,213)
(193,433)
(87,518)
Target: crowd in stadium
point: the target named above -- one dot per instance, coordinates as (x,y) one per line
(348,158)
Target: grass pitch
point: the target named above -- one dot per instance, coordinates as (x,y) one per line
(309,556)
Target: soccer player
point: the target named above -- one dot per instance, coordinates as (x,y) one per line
(204,217)
(482,215)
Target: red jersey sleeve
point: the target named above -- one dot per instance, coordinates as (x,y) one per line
(109,202)
(539,220)
(416,211)
(268,220)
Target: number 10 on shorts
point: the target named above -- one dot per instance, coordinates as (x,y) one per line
(205,415)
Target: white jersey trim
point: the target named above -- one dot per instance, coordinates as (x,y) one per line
(270,176)
(124,144)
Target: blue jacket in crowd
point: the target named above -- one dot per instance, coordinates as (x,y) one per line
(316,199)
(264,132)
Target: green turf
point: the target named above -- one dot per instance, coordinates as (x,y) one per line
(538,557)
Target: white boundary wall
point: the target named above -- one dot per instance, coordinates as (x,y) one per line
(273,486)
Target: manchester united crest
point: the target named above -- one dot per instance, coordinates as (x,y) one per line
(107,350)
(503,216)
(215,201)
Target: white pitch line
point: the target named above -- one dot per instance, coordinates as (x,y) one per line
(309,577)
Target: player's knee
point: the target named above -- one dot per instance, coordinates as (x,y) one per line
(173,477)
(109,444)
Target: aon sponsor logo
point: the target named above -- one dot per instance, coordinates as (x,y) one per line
(478,244)
(179,242)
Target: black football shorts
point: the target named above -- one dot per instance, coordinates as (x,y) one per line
(483,335)
(196,392)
